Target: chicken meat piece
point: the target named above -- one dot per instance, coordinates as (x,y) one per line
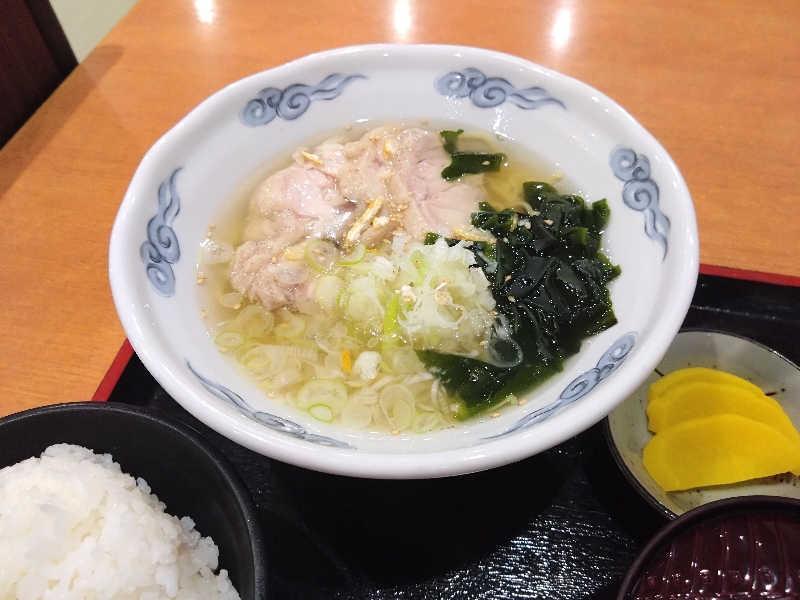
(296,202)
(402,168)
(274,282)
(431,203)
(347,192)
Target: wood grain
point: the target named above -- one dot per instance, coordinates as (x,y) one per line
(716,82)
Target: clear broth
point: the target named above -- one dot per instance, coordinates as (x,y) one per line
(503,190)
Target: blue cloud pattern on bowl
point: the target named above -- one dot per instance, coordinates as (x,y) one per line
(292,102)
(580,386)
(487,92)
(641,193)
(272,421)
(161,250)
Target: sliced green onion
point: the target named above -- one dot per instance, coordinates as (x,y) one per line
(363,308)
(402,360)
(356,415)
(331,392)
(321,412)
(421,264)
(254,321)
(290,374)
(418,260)
(397,403)
(327,290)
(355,256)
(244,349)
(249,311)
(231,300)
(263,361)
(390,323)
(292,326)
(257,326)
(228,340)
(341,299)
(321,255)
(426,421)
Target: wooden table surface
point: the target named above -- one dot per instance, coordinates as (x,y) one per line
(717,82)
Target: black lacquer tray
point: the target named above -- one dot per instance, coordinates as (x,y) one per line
(562,525)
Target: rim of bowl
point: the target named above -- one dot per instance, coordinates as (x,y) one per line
(691,517)
(733,334)
(455,461)
(226,469)
(631,478)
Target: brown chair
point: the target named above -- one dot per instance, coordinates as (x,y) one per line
(35,57)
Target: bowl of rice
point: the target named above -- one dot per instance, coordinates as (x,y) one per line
(101,501)
(404,261)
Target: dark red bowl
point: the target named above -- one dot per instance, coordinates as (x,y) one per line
(745,547)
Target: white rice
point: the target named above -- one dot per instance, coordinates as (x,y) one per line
(74,526)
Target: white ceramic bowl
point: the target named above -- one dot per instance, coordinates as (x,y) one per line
(185,179)
(627,424)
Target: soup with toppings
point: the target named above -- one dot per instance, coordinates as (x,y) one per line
(405,279)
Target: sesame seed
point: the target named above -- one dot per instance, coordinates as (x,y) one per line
(508,278)
(548,221)
(505,239)
(512,299)
(485,163)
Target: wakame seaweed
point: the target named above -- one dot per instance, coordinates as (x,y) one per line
(449,138)
(463,163)
(548,278)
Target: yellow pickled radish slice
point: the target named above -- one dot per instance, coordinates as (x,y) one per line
(702,399)
(696,374)
(717,450)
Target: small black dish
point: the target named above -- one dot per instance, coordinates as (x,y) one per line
(182,469)
(626,427)
(743,547)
